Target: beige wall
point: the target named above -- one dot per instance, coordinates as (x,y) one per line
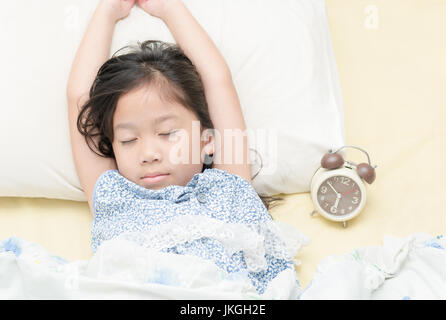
(391,61)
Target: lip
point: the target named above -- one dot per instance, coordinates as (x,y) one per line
(154,177)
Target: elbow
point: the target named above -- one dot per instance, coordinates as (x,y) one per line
(70,93)
(218,76)
(225,75)
(70,90)
(74,95)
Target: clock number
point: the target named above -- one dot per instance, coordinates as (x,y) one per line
(333,209)
(345,181)
(323,189)
(355,200)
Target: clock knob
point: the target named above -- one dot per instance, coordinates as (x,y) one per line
(332,161)
(366,172)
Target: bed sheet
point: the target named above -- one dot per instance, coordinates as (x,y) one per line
(392,75)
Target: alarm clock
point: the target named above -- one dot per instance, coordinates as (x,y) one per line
(337,187)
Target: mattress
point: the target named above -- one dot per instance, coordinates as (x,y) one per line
(392,76)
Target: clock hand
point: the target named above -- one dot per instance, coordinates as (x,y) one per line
(332,188)
(348,192)
(337,202)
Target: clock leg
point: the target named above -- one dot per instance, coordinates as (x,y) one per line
(313,213)
(344,224)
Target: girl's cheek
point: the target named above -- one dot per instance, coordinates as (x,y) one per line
(179,152)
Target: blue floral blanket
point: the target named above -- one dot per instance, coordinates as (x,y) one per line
(122,268)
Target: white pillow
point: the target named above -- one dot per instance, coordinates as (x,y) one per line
(279,53)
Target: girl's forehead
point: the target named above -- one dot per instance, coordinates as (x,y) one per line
(145,102)
(132,113)
(157,120)
(153,112)
(157,92)
(145,97)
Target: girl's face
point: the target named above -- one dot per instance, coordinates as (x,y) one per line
(152,136)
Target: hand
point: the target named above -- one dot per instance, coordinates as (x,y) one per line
(116,9)
(337,193)
(156,8)
(337,202)
(348,192)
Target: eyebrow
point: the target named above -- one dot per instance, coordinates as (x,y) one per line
(158,120)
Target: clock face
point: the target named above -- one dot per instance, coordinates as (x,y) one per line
(339,195)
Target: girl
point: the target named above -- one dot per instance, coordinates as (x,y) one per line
(165,169)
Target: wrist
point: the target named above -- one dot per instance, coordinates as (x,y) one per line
(105,13)
(170,8)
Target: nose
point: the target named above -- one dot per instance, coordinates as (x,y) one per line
(150,152)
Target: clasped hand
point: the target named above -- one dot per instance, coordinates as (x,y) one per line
(120,9)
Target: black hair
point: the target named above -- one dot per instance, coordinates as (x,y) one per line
(151,62)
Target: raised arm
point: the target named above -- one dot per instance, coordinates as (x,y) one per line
(224,105)
(94,48)
(93,51)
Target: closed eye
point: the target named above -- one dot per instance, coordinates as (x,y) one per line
(168,134)
(124,142)
(161,134)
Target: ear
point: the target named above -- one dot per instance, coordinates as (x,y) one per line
(209,147)
(207,142)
